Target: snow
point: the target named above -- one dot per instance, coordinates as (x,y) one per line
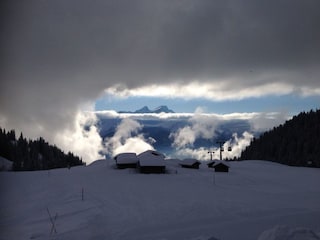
(125,158)
(255,200)
(151,158)
(189,161)
(220,162)
(5,164)
(284,232)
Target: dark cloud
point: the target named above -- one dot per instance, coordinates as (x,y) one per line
(56,55)
(145,41)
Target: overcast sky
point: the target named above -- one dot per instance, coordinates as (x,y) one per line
(58,57)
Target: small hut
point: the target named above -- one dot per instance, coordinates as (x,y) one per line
(126,160)
(212,162)
(219,166)
(190,163)
(151,162)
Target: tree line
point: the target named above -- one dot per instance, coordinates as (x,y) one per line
(29,155)
(295,143)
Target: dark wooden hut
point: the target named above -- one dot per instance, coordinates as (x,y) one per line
(190,163)
(212,162)
(219,166)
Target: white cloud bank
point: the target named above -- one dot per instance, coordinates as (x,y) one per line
(205,126)
(82,138)
(127,139)
(237,145)
(218,90)
(202,126)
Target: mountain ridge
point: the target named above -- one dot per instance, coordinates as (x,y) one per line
(146,109)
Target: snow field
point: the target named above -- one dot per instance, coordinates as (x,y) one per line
(255,200)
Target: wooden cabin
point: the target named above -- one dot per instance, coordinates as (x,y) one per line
(219,166)
(212,162)
(126,160)
(151,162)
(190,163)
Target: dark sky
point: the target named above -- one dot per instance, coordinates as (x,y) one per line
(58,55)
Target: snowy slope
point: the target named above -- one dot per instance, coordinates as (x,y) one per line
(255,200)
(5,164)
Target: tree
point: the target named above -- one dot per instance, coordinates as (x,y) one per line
(296,142)
(33,154)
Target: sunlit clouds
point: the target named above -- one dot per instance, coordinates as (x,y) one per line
(127,139)
(215,91)
(82,138)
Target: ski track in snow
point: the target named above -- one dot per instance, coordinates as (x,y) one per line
(252,200)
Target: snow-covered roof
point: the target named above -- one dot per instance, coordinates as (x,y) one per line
(125,158)
(189,161)
(212,162)
(220,162)
(151,158)
(151,152)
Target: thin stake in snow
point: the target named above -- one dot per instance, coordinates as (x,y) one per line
(82,194)
(52,220)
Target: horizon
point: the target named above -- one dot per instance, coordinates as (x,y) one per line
(291,104)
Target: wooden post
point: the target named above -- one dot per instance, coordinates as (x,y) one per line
(82,194)
(214,177)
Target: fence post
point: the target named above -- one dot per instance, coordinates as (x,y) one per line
(82,194)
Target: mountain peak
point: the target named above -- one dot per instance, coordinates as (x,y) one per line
(161,109)
(146,109)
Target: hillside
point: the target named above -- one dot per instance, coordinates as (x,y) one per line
(256,200)
(296,142)
(29,155)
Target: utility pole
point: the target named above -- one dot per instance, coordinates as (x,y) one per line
(221,148)
(211,153)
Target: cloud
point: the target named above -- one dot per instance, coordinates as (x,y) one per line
(127,139)
(237,144)
(219,90)
(199,153)
(205,126)
(57,56)
(266,121)
(82,138)
(201,126)
(222,44)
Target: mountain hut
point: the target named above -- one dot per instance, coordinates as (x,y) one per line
(126,160)
(219,166)
(151,162)
(190,163)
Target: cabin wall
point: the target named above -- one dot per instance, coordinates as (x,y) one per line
(152,169)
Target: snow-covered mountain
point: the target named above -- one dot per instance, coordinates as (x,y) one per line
(145,109)
(256,200)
